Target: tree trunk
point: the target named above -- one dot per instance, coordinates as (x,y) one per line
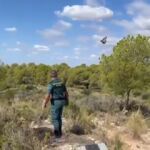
(127,99)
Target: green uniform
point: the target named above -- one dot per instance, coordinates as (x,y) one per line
(57,89)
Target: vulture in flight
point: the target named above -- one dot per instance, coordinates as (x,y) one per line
(104,40)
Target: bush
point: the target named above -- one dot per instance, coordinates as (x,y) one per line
(27,87)
(81,120)
(3,85)
(20,138)
(14,130)
(137,93)
(77,129)
(24,111)
(136,124)
(146,96)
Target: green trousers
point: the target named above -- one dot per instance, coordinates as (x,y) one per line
(56,115)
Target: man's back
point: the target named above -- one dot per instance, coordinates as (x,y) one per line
(57,89)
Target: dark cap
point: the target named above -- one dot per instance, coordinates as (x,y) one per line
(53,73)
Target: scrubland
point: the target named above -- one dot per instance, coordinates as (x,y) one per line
(96,117)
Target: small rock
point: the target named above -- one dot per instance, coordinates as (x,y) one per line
(45,147)
(90,138)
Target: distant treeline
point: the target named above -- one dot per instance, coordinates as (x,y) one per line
(127,69)
(32,74)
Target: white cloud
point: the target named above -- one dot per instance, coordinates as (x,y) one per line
(62,43)
(3,44)
(78,50)
(64,24)
(11,29)
(138,7)
(76,57)
(41,48)
(93,56)
(85,12)
(16,49)
(95,27)
(83,39)
(134,27)
(66,57)
(140,21)
(140,11)
(51,33)
(18,43)
(125,23)
(56,33)
(34,53)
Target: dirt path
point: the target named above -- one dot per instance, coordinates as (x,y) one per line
(72,141)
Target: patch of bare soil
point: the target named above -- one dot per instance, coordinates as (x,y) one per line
(113,129)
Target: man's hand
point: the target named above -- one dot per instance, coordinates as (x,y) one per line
(67,98)
(43,105)
(66,102)
(45,102)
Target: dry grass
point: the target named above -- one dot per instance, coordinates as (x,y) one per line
(20,138)
(137,124)
(117,143)
(16,118)
(79,118)
(14,127)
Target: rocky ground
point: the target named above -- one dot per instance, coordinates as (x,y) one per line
(110,131)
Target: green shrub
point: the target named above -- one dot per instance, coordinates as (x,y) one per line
(137,93)
(3,85)
(146,96)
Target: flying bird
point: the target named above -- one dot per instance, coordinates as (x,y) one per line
(104,40)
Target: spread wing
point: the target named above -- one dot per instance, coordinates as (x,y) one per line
(104,40)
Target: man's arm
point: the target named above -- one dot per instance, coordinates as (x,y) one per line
(48,97)
(67,97)
(46,100)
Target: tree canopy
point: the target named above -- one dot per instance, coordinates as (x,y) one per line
(128,67)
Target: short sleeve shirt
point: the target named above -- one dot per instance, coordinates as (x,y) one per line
(50,88)
(58,91)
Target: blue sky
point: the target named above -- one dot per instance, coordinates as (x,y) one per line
(57,31)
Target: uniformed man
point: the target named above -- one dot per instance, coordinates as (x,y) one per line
(58,96)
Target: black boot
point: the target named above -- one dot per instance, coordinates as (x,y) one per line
(56,133)
(60,131)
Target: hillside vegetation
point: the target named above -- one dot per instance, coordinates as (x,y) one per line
(114,93)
